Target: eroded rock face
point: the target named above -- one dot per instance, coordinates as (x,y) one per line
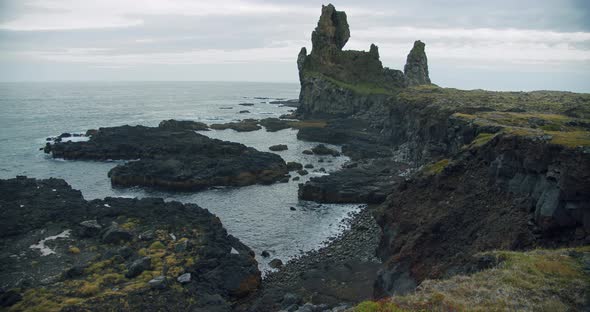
(96,275)
(174,157)
(416,69)
(338,82)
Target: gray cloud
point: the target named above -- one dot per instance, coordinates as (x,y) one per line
(467,41)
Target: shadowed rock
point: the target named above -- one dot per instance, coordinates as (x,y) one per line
(416,69)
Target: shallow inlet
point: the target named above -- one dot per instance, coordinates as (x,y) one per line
(260,216)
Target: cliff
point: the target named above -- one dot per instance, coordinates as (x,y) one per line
(492,170)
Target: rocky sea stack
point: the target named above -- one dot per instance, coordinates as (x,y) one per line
(343,75)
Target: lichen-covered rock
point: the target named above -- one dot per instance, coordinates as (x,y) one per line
(416,69)
(98,277)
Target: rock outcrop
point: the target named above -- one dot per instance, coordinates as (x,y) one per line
(416,69)
(489,170)
(329,73)
(50,261)
(172,156)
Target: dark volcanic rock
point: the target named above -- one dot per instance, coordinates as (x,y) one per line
(106,279)
(368,182)
(245,125)
(321,149)
(171,159)
(114,234)
(274,124)
(275,263)
(293,166)
(288,103)
(182,125)
(279,147)
(416,69)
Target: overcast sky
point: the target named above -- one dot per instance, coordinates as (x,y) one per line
(498,45)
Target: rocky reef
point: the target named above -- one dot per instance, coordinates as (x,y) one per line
(173,156)
(63,253)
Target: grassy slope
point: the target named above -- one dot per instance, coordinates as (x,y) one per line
(539,280)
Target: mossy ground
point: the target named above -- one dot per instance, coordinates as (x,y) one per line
(359,88)
(435,168)
(559,129)
(538,280)
(104,278)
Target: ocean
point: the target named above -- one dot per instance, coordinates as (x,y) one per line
(259,215)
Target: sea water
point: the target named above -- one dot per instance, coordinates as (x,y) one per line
(259,215)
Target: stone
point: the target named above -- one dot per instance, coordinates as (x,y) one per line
(138,266)
(244,112)
(89,228)
(75,271)
(416,68)
(293,166)
(290,299)
(158,282)
(296,179)
(183,125)
(265,254)
(125,252)
(307,152)
(184,278)
(279,147)
(275,263)
(115,234)
(308,166)
(292,208)
(302,172)
(321,149)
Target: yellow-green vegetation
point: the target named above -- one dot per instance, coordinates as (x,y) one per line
(435,168)
(157,245)
(74,250)
(538,280)
(364,88)
(378,306)
(106,278)
(300,124)
(570,139)
(130,224)
(482,139)
(552,102)
(563,130)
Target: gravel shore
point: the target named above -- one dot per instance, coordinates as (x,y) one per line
(339,274)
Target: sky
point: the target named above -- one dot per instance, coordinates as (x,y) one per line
(494,45)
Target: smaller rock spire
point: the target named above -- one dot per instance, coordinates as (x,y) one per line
(416,69)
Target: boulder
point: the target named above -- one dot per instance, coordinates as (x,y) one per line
(293,166)
(275,263)
(138,266)
(184,278)
(158,282)
(172,124)
(321,149)
(114,234)
(279,147)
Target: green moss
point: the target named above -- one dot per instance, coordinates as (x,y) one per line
(363,88)
(539,280)
(377,306)
(157,245)
(570,139)
(482,139)
(436,168)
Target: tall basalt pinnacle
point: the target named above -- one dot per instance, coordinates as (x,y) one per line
(332,31)
(416,69)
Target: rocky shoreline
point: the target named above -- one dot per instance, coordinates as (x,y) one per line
(331,278)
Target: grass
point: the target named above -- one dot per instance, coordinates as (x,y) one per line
(547,102)
(364,88)
(561,129)
(436,168)
(538,280)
